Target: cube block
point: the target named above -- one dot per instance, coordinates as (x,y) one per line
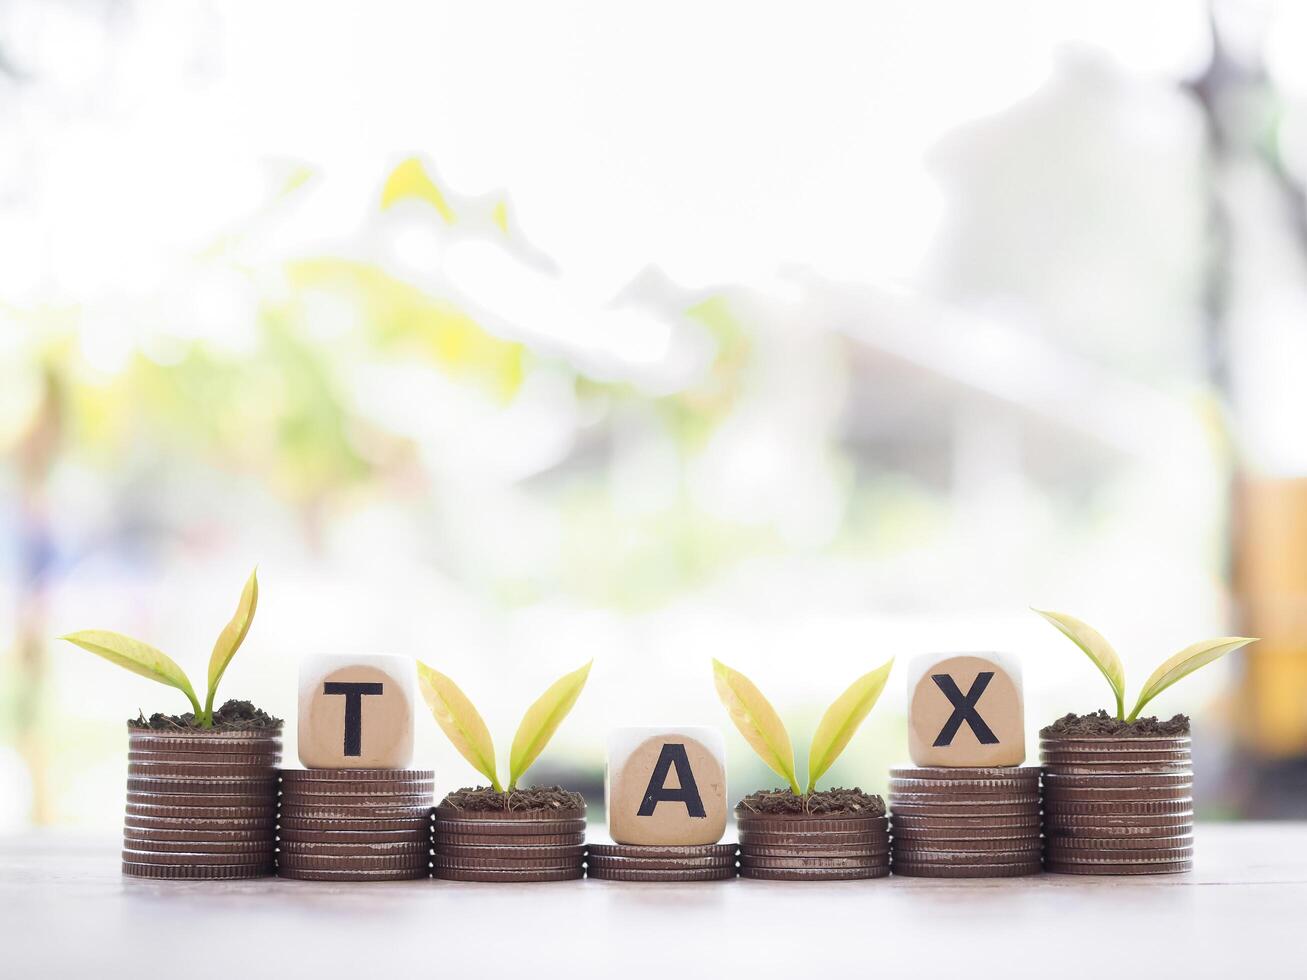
(356,712)
(966,710)
(666,786)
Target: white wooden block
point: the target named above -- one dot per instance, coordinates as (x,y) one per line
(666,785)
(966,709)
(356,712)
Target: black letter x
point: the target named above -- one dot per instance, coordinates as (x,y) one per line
(964,709)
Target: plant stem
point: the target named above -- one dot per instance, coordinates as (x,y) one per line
(1120,705)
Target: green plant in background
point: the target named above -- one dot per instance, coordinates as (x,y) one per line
(143,659)
(1106,660)
(466,729)
(763,729)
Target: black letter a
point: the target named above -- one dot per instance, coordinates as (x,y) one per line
(673,754)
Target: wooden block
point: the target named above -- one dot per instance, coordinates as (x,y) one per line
(666,786)
(966,710)
(356,712)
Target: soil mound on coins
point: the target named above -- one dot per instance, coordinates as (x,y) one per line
(1100,723)
(829,802)
(234,716)
(484,799)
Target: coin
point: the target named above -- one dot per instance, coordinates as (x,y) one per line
(826,863)
(510,828)
(353,874)
(638,874)
(816,874)
(505,840)
(928,842)
(445,812)
(985,823)
(1120,808)
(297,861)
(524,875)
(1114,759)
(1066,868)
(808,825)
(966,774)
(259,847)
(318,791)
(267,824)
(897,800)
(356,813)
(1120,769)
(196,871)
(751,838)
(662,850)
(294,776)
(417,801)
(818,850)
(1123,834)
(1115,780)
(1011,870)
(661,864)
(194,787)
(366,825)
(1168,743)
(1077,794)
(980,811)
(135,856)
(214,742)
(266,812)
(371,849)
(415,836)
(441,863)
(571,853)
(193,835)
(962,856)
(964,788)
(198,770)
(206,800)
(268,759)
(1065,853)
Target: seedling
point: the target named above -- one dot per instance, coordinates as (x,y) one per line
(466,729)
(143,659)
(763,729)
(1106,660)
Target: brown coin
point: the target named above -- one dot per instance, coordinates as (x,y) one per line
(208,872)
(193,787)
(1109,780)
(809,825)
(750,837)
(979,811)
(1117,760)
(1167,743)
(196,836)
(441,862)
(417,801)
(506,840)
(397,874)
(898,800)
(925,842)
(816,874)
(519,828)
(663,851)
(268,759)
(966,773)
(1065,853)
(296,776)
(446,812)
(356,813)
(1076,794)
(965,856)
(525,875)
(217,742)
(1120,808)
(964,788)
(361,787)
(816,851)
(324,823)
(1119,836)
(640,874)
(268,812)
(371,849)
(134,856)
(351,862)
(1012,870)
(198,770)
(1120,769)
(574,852)
(1064,868)
(987,822)
(291,836)
(661,864)
(823,863)
(261,847)
(267,824)
(205,800)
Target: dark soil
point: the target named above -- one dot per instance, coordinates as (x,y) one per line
(829,801)
(234,716)
(484,799)
(1100,723)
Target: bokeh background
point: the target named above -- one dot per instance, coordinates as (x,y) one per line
(508,336)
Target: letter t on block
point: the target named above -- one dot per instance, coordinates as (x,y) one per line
(666,786)
(356,712)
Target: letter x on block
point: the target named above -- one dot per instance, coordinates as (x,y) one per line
(964,709)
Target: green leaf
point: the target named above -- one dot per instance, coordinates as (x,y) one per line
(231,638)
(1185,663)
(757,721)
(460,721)
(1096,649)
(542,720)
(411,180)
(842,719)
(139,658)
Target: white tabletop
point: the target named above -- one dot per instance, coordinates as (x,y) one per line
(66,911)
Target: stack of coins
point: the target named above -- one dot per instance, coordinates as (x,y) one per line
(509,845)
(1118,806)
(354,824)
(965,822)
(661,862)
(813,847)
(201,804)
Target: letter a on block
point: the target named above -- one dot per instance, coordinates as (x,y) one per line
(356,712)
(966,710)
(666,786)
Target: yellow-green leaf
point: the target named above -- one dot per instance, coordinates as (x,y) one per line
(757,721)
(460,721)
(232,636)
(842,719)
(1096,649)
(139,658)
(542,720)
(410,179)
(1185,663)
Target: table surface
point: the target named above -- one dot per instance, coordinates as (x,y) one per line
(65,910)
